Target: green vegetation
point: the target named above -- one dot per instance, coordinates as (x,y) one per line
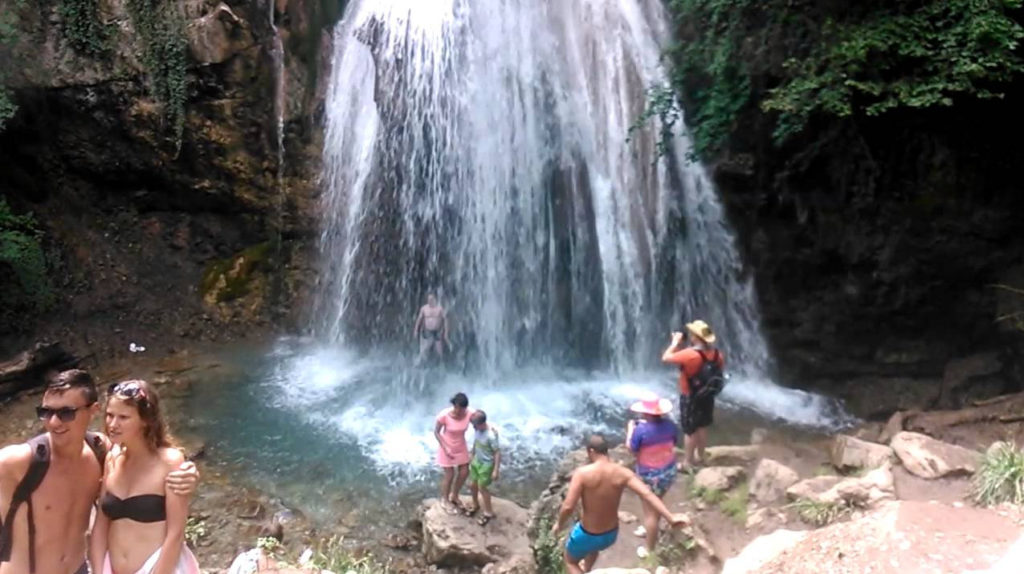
(673,550)
(735,504)
(1014,317)
(82,26)
(867,59)
(709,496)
(331,555)
(547,549)
(161,29)
(1000,476)
(916,57)
(231,278)
(818,513)
(195,530)
(22,256)
(8,33)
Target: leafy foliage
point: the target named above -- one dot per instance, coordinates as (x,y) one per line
(332,555)
(1000,477)
(547,549)
(735,505)
(82,26)
(195,530)
(8,33)
(819,513)
(162,30)
(22,252)
(865,60)
(918,58)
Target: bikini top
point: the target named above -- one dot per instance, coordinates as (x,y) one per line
(141,508)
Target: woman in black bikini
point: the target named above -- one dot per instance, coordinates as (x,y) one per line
(140,528)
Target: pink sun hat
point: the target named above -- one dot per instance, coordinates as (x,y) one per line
(650,404)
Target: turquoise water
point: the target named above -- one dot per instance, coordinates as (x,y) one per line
(327,430)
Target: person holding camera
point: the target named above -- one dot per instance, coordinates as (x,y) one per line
(653,439)
(700,380)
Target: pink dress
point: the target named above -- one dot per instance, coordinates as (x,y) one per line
(453,436)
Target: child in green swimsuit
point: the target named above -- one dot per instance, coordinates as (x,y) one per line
(483,468)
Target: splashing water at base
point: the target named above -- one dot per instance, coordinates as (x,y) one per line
(478,149)
(326,423)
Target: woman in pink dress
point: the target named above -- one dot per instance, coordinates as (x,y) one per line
(453,453)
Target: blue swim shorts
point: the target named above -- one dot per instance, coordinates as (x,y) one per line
(581,543)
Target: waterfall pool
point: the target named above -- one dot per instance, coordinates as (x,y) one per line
(328,431)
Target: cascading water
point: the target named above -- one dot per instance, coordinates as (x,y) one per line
(277,55)
(478,149)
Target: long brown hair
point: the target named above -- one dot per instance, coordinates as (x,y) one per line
(143,397)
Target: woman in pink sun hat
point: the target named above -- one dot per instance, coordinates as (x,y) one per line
(653,438)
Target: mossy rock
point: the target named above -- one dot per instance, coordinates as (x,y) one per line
(232,278)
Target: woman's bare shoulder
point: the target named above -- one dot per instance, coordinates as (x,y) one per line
(172,457)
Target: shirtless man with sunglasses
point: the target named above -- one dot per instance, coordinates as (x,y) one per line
(61,505)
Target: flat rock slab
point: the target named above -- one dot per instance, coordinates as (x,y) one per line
(849,452)
(930,458)
(899,536)
(719,477)
(458,541)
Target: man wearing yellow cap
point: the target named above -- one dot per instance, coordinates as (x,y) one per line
(695,413)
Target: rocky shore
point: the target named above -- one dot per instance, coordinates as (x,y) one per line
(896,494)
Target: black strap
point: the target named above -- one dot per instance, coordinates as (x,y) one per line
(37,469)
(704,358)
(99,448)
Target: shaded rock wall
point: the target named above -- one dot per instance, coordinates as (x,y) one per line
(876,243)
(133,222)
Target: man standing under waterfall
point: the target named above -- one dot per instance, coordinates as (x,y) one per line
(431,329)
(700,365)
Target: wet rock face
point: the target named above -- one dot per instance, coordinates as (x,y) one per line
(134,219)
(875,243)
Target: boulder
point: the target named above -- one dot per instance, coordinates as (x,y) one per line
(863,491)
(930,458)
(217,36)
(960,371)
(849,452)
(732,455)
(763,516)
(771,479)
(762,550)
(719,477)
(813,488)
(455,541)
(893,427)
(895,536)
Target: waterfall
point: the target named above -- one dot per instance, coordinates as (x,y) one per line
(277,55)
(479,150)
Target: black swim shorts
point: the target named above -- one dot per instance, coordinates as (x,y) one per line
(695,413)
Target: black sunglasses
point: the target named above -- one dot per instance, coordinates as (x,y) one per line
(128,390)
(65,414)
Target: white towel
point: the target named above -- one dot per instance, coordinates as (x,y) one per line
(186,563)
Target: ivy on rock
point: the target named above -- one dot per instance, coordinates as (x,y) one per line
(161,29)
(839,61)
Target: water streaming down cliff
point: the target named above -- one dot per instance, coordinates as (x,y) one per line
(479,149)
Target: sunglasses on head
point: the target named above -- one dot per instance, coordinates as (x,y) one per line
(128,390)
(65,414)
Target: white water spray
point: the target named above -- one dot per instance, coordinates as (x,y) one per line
(479,150)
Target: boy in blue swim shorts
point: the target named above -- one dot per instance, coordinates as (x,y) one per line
(599,485)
